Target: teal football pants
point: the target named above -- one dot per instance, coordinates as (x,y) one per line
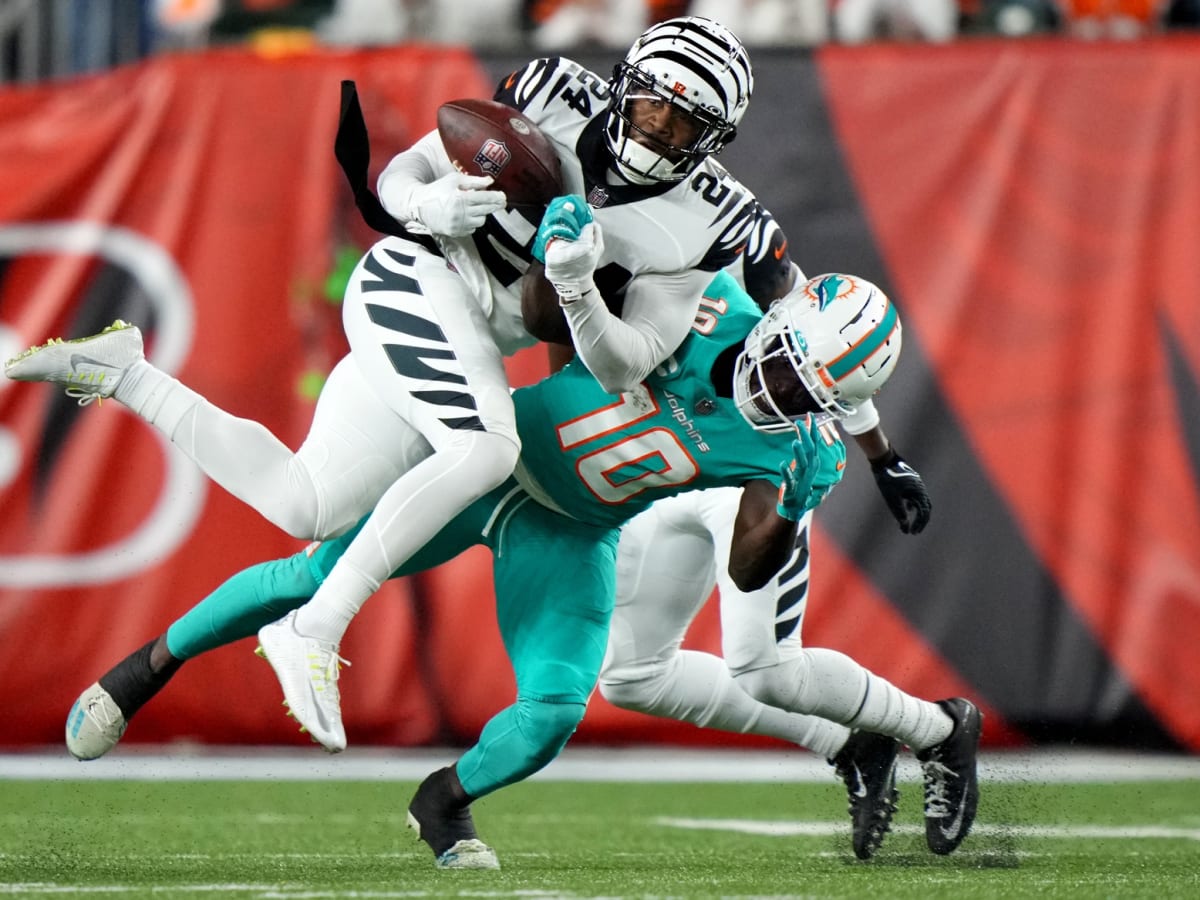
(555,581)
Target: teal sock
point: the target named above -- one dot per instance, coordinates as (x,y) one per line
(252,598)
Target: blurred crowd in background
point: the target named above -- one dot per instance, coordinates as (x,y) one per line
(42,39)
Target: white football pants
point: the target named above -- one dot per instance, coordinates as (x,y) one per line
(412,426)
(668,560)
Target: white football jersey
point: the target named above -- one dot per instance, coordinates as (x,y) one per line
(703,222)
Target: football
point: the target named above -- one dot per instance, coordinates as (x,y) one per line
(483,137)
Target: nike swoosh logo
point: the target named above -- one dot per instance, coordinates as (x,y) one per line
(511,79)
(950,832)
(77,358)
(903,470)
(782,250)
(861,790)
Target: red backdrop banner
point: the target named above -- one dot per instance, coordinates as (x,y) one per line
(1035,208)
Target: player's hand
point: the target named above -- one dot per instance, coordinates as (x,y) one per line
(817,464)
(564,218)
(570,264)
(831,464)
(904,491)
(454,205)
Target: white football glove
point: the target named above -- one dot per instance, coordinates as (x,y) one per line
(454,205)
(570,264)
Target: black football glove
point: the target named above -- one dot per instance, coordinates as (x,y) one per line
(903,490)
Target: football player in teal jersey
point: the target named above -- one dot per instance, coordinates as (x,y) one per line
(744,394)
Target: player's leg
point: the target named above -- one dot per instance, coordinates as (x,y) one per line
(555,581)
(665,575)
(426,350)
(355,447)
(761,635)
(237,609)
(760,631)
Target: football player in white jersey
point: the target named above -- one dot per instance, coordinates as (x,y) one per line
(429,325)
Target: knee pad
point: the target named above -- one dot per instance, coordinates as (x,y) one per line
(781,685)
(633,688)
(547,726)
(819,682)
(490,457)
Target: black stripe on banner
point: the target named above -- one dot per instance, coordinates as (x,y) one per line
(405,323)
(387,279)
(446,398)
(410,362)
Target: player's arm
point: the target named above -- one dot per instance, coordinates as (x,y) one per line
(658,312)
(765,267)
(544,318)
(422,189)
(657,309)
(764,531)
(901,485)
(762,539)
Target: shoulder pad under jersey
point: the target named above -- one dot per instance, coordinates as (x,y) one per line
(734,213)
(554,86)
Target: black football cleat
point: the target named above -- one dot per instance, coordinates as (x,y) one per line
(440,813)
(867,764)
(951,783)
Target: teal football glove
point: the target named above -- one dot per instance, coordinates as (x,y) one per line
(818,461)
(564,218)
(831,465)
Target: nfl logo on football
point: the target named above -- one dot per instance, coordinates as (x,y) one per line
(492,157)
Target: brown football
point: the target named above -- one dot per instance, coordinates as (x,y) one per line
(483,137)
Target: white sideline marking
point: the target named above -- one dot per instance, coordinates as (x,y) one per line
(820,829)
(586,763)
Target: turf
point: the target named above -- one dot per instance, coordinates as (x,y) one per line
(347,839)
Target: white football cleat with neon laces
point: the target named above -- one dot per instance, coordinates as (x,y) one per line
(308,671)
(89,367)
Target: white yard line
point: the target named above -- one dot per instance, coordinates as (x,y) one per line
(584,763)
(818,829)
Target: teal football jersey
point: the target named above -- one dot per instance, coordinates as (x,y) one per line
(603,458)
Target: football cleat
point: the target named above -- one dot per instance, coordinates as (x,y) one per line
(440,814)
(100,716)
(951,784)
(94,724)
(308,671)
(867,764)
(90,367)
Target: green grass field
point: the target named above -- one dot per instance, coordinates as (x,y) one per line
(318,839)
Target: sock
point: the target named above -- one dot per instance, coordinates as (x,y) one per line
(698,688)
(888,710)
(157,397)
(133,681)
(442,810)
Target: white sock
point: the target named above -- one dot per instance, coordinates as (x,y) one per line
(697,687)
(831,685)
(337,601)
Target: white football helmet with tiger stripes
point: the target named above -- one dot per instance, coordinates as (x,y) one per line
(838,334)
(698,66)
